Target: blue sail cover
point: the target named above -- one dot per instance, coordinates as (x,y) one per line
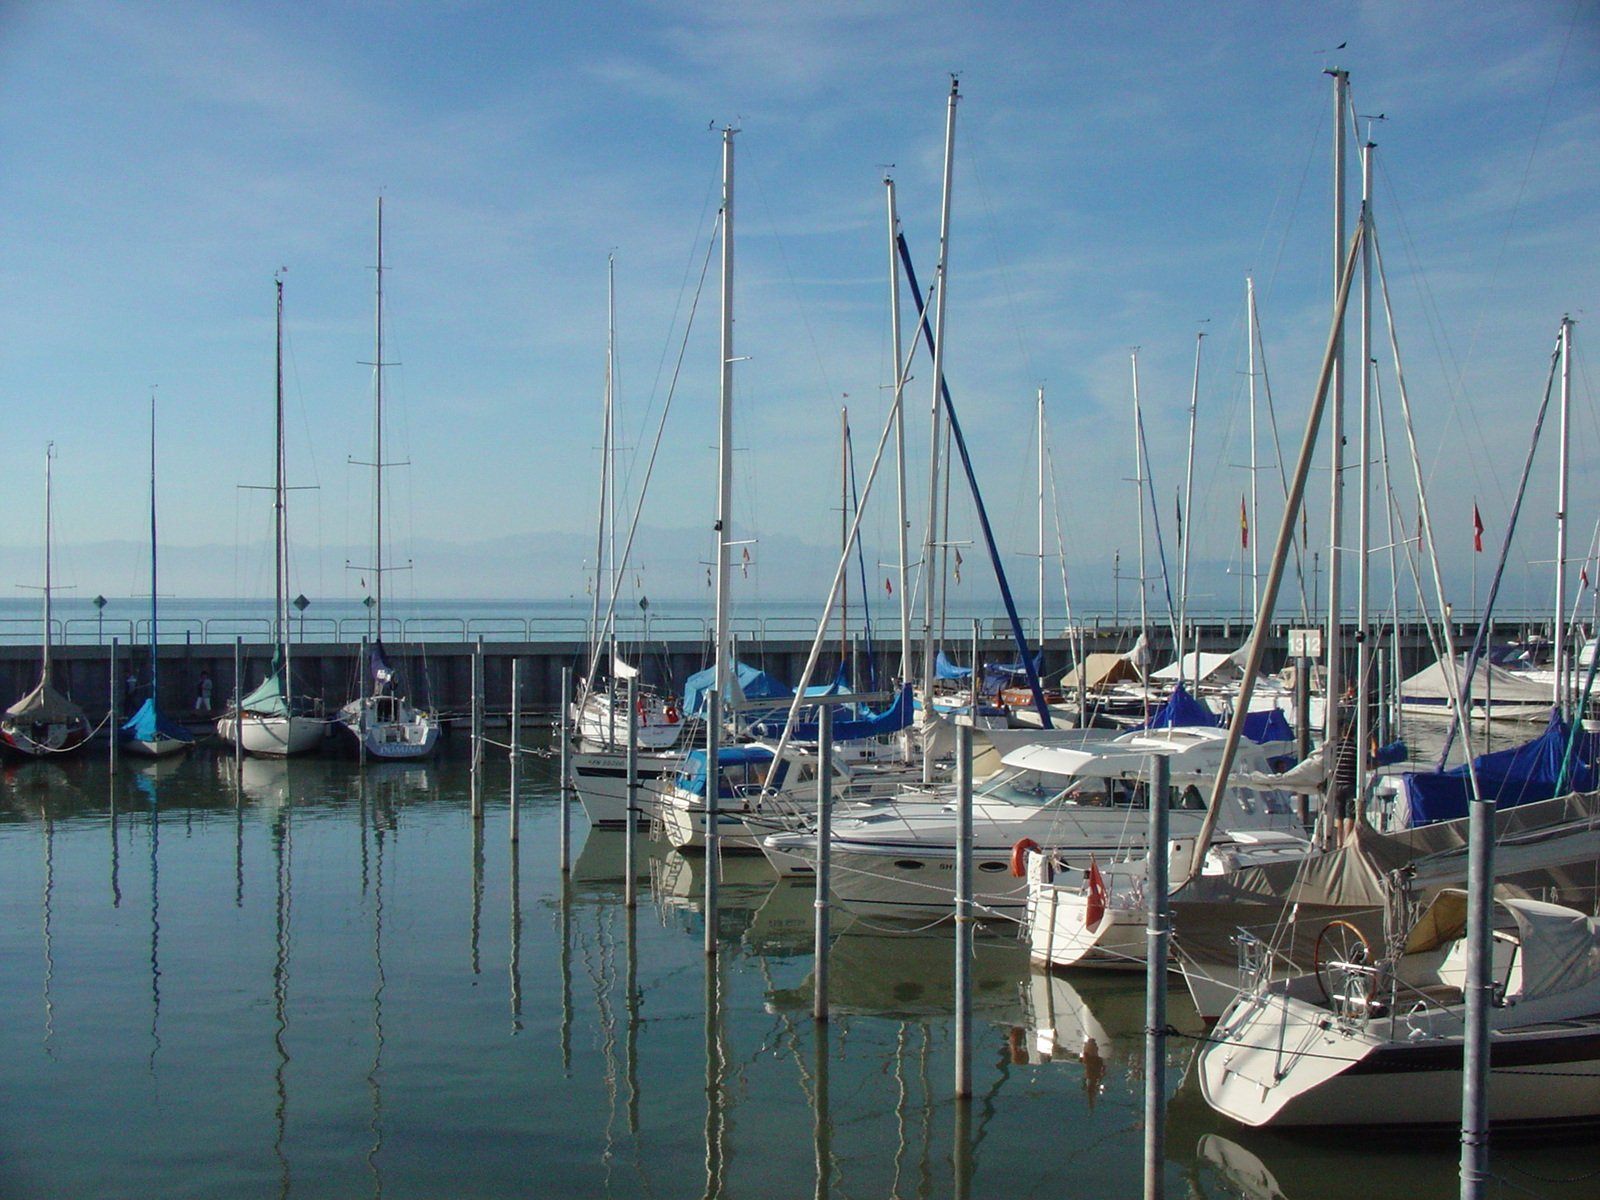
(943,668)
(1182,709)
(891,720)
(747,764)
(382,673)
(756,684)
(1511,777)
(147,722)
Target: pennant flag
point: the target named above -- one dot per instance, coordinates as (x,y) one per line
(1177,499)
(958,565)
(708,576)
(1477,529)
(1244,526)
(744,563)
(888,586)
(1583,578)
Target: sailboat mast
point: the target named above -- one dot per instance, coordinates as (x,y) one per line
(1560,640)
(1335,663)
(899,427)
(724,525)
(44,672)
(280,535)
(153,589)
(1138,483)
(1364,649)
(935,534)
(1255,546)
(1041,524)
(844,531)
(1186,536)
(377,436)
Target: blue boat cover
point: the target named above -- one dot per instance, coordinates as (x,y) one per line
(147,722)
(756,684)
(747,764)
(1182,709)
(869,725)
(1511,777)
(943,668)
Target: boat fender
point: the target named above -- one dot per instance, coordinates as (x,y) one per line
(672,713)
(1095,910)
(639,707)
(1019,856)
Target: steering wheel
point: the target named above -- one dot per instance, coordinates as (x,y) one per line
(1340,953)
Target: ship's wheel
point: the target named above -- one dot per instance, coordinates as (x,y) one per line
(1342,957)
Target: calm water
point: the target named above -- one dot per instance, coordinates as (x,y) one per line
(311,982)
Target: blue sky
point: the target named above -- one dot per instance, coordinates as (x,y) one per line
(1119,171)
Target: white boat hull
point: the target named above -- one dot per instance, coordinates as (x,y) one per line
(274,736)
(601,781)
(159,746)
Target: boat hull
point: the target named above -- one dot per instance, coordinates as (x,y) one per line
(273,736)
(33,740)
(159,746)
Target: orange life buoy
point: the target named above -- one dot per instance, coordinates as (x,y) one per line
(1095,910)
(1019,856)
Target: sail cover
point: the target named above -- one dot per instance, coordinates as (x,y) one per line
(1516,776)
(44,703)
(147,723)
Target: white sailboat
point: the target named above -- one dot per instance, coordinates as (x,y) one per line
(384,724)
(147,733)
(43,722)
(267,721)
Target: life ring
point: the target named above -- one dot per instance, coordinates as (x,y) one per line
(1019,856)
(672,713)
(1098,897)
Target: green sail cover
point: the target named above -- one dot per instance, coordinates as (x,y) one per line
(271,699)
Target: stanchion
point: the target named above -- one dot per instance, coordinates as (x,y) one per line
(964,910)
(1155,983)
(630,883)
(824,871)
(564,790)
(713,807)
(516,744)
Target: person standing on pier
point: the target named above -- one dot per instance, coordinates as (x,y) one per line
(202,695)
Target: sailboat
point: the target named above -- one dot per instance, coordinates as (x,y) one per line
(383,723)
(43,722)
(267,721)
(147,732)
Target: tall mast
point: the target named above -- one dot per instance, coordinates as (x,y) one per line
(1560,646)
(1364,498)
(1335,665)
(1138,483)
(899,428)
(1041,522)
(280,537)
(377,435)
(935,534)
(1186,536)
(608,475)
(844,531)
(49,453)
(153,635)
(1255,545)
(724,526)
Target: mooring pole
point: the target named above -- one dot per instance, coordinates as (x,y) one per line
(516,744)
(964,908)
(475,736)
(238,702)
(630,887)
(713,807)
(823,873)
(112,720)
(362,710)
(1155,983)
(563,716)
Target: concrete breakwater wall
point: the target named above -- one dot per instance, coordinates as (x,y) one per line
(440,673)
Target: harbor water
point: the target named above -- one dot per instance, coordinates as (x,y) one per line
(309,980)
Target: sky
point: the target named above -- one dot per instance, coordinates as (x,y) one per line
(1118,173)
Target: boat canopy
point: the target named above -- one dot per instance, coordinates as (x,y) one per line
(753,684)
(1488,680)
(44,703)
(943,668)
(146,724)
(1511,777)
(746,763)
(1182,710)
(1204,666)
(872,724)
(1101,670)
(1559,947)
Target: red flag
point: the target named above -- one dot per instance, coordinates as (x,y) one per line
(1244,526)
(888,586)
(958,566)
(744,563)
(1477,529)
(1583,578)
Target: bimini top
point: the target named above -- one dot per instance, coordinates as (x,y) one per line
(1559,947)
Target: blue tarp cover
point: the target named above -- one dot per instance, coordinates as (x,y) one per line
(735,764)
(1182,709)
(891,720)
(755,683)
(1516,776)
(943,668)
(144,724)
